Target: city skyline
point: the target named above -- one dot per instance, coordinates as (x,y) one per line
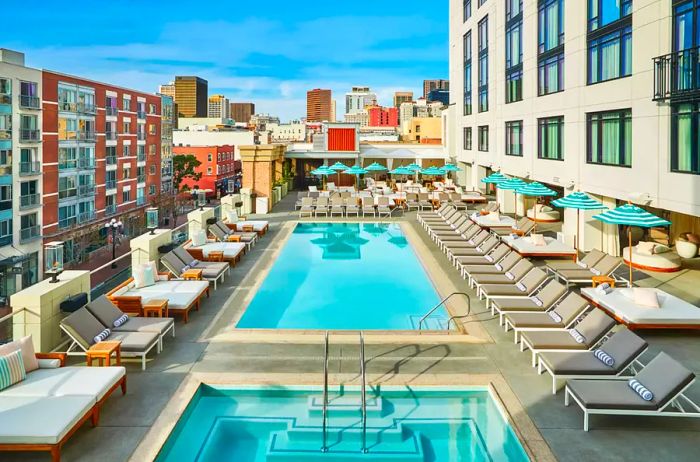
(271,59)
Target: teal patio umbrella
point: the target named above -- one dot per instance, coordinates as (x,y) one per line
(494,178)
(337,168)
(414,168)
(322,171)
(449,168)
(536,189)
(630,215)
(512,184)
(357,171)
(374,168)
(580,201)
(432,171)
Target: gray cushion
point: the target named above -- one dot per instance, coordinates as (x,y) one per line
(486,278)
(624,346)
(173,263)
(68,381)
(594,326)
(213,265)
(83,326)
(577,363)
(533,320)
(105,311)
(140,324)
(664,377)
(504,290)
(553,340)
(481,269)
(551,292)
(517,304)
(570,307)
(183,255)
(135,342)
(608,394)
(211,273)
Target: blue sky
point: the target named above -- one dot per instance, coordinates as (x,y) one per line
(269,52)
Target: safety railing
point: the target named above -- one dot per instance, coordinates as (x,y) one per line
(442,302)
(364,392)
(324,444)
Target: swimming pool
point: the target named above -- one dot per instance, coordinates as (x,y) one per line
(345,276)
(285,424)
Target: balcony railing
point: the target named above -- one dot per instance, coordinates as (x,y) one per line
(5,134)
(29,135)
(87,162)
(111,160)
(111,111)
(66,106)
(87,108)
(141,136)
(5,240)
(6,204)
(86,189)
(29,102)
(85,136)
(67,193)
(110,136)
(111,184)
(141,157)
(140,200)
(86,216)
(29,168)
(29,201)
(140,178)
(66,222)
(110,209)
(29,234)
(140,114)
(677,76)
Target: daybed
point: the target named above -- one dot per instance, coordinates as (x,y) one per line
(259,226)
(205,249)
(545,214)
(657,258)
(528,246)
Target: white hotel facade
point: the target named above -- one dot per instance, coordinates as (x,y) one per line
(581,95)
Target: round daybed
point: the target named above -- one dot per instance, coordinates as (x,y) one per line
(666,262)
(545,214)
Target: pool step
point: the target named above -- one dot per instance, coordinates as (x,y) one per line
(344,405)
(432,322)
(285,447)
(335,435)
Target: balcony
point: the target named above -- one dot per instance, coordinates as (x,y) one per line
(6,204)
(86,108)
(5,170)
(111,111)
(5,240)
(86,190)
(111,184)
(29,135)
(66,106)
(140,114)
(111,136)
(86,162)
(29,201)
(111,160)
(677,76)
(5,98)
(110,210)
(141,136)
(140,201)
(141,157)
(86,216)
(29,168)
(5,133)
(140,178)
(28,102)
(85,136)
(66,222)
(67,193)
(29,234)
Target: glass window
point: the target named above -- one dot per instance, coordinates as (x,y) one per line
(67,187)
(551,75)
(610,56)
(604,12)
(514,50)
(550,37)
(685,147)
(126,104)
(5,157)
(481,2)
(5,86)
(67,158)
(514,138)
(550,138)
(126,195)
(610,138)
(466,9)
(126,150)
(483,65)
(467,138)
(467,43)
(484,138)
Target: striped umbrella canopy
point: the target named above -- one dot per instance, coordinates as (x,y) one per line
(580,201)
(401,171)
(494,178)
(432,171)
(339,167)
(413,167)
(322,170)
(357,171)
(451,168)
(536,189)
(512,184)
(630,215)
(375,167)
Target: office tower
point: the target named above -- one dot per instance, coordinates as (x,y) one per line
(358,99)
(191,96)
(219,107)
(435,84)
(402,97)
(318,105)
(242,112)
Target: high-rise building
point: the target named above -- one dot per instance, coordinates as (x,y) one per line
(434,84)
(334,109)
(318,105)
(242,112)
(168,89)
(402,97)
(383,116)
(441,96)
(219,107)
(168,122)
(358,99)
(623,130)
(191,96)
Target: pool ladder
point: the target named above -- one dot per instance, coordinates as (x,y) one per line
(452,318)
(363,391)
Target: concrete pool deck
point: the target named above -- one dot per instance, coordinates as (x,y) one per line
(209,348)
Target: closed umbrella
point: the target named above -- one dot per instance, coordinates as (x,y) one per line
(536,189)
(512,184)
(580,201)
(337,168)
(630,215)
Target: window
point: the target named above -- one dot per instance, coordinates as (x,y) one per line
(483,65)
(5,86)
(66,215)
(6,229)
(126,104)
(467,138)
(484,138)
(514,138)
(151,149)
(550,138)
(126,172)
(609,39)
(609,138)
(151,108)
(67,129)
(467,44)
(514,50)
(5,157)
(127,126)
(126,150)
(67,158)
(152,190)
(550,39)
(152,170)
(5,197)
(126,195)
(685,147)
(67,187)
(481,2)
(466,9)
(209,171)
(151,129)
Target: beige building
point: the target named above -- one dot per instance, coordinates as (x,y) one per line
(219,106)
(424,130)
(191,96)
(401,97)
(168,89)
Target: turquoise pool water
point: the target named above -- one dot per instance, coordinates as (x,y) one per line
(284,425)
(345,276)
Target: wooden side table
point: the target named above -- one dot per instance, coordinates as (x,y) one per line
(597,280)
(216,256)
(157,307)
(103,352)
(248,228)
(192,274)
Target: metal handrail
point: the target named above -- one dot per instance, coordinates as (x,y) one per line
(13,314)
(442,302)
(364,392)
(454,318)
(324,447)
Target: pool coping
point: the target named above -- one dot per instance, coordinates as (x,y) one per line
(510,407)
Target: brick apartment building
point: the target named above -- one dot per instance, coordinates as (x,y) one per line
(217,166)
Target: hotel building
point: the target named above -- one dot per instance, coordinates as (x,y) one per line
(600,96)
(219,106)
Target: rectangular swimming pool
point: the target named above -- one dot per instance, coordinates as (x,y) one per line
(345,276)
(285,425)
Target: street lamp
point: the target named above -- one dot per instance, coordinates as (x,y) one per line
(114,225)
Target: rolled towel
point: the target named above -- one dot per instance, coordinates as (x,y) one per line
(121,320)
(604,286)
(498,266)
(582,264)
(641,390)
(514,236)
(489,258)
(194,263)
(478,249)
(537,301)
(521,287)
(102,336)
(555,316)
(604,357)
(577,336)
(186,268)
(595,271)
(509,275)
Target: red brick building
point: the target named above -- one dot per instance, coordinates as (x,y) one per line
(383,116)
(101,157)
(217,166)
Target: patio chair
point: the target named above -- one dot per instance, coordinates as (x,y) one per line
(351,207)
(664,377)
(493,257)
(424,202)
(497,267)
(606,266)
(412,202)
(465,250)
(447,219)
(544,298)
(300,195)
(337,205)
(456,238)
(82,328)
(456,200)
(624,347)
(560,316)
(589,331)
(307,207)
(330,186)
(223,233)
(368,206)
(519,270)
(313,189)
(523,227)
(589,260)
(211,271)
(523,288)
(321,206)
(383,206)
(436,213)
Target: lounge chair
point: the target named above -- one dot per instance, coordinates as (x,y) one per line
(457,237)
(592,329)
(337,206)
(300,196)
(211,271)
(237,223)
(383,206)
(445,218)
(204,249)
(624,347)
(542,300)
(456,200)
(412,202)
(561,316)
(522,228)
(664,377)
(368,206)
(330,186)
(192,262)
(591,258)
(482,247)
(493,257)
(307,207)
(424,201)
(500,266)
(518,271)
(82,327)
(605,267)
(313,188)
(523,288)
(321,206)
(444,208)
(232,230)
(223,233)
(107,313)
(351,207)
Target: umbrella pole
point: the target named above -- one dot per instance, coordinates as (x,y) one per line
(578,219)
(515,209)
(629,247)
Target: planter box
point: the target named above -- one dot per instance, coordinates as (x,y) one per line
(284,189)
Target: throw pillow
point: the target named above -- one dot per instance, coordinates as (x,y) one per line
(232,216)
(646,248)
(694,238)
(494,216)
(199,238)
(645,297)
(26,346)
(11,369)
(102,336)
(641,390)
(138,275)
(149,278)
(538,240)
(660,248)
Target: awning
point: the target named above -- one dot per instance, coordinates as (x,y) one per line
(11,256)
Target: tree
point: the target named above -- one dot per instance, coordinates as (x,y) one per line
(185,166)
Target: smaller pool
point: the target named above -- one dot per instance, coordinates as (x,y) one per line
(285,424)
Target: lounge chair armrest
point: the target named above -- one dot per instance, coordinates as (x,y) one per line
(61,357)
